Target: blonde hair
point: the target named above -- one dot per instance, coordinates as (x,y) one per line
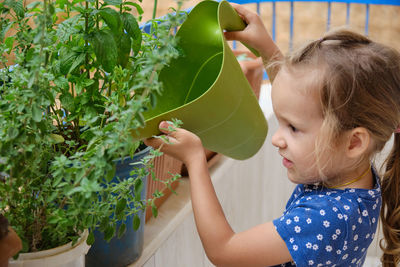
(360,87)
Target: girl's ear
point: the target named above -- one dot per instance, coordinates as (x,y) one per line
(358,142)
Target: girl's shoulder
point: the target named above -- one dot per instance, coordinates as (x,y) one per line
(322,225)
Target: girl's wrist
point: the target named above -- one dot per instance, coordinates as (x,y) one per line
(196,160)
(270,52)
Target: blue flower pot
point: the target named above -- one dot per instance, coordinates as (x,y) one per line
(127,249)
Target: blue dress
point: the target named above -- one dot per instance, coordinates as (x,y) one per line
(330,227)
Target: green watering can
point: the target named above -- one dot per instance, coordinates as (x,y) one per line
(206,89)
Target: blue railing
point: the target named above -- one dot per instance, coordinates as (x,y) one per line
(348,3)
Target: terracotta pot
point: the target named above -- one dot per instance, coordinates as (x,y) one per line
(163,166)
(252,68)
(9,246)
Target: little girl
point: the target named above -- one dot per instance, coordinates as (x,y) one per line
(337,101)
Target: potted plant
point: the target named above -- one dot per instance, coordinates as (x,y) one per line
(84,72)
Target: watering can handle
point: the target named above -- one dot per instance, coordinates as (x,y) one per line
(230,20)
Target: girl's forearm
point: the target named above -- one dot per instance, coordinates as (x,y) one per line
(214,230)
(270,52)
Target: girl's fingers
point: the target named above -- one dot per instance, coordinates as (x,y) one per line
(153,142)
(243,12)
(164,127)
(235,35)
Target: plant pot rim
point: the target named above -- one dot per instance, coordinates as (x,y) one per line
(54,253)
(136,155)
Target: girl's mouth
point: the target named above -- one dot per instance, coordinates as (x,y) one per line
(287,163)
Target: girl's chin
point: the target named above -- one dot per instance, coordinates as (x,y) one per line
(296,179)
(293,177)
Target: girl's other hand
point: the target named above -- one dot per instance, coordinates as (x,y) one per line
(182,144)
(255,34)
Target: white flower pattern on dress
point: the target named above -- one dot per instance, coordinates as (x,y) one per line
(319,223)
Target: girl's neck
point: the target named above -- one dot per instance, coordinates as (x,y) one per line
(360,177)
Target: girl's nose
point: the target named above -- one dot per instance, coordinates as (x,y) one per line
(278,140)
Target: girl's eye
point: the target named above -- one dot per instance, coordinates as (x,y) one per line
(294,129)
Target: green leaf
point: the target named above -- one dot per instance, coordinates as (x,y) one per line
(138,189)
(90,239)
(105,49)
(113,2)
(53,219)
(67,101)
(104,223)
(131,26)
(112,19)
(154,210)
(109,233)
(51,9)
(68,28)
(12,133)
(77,61)
(124,48)
(61,82)
(17,6)
(120,207)
(111,173)
(140,118)
(136,222)
(137,6)
(153,100)
(57,139)
(66,61)
(4,29)
(121,230)
(36,113)
(9,43)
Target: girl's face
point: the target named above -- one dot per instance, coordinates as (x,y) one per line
(295,101)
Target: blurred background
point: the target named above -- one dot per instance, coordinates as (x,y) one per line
(310,19)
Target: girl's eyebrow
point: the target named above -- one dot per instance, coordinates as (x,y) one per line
(286,119)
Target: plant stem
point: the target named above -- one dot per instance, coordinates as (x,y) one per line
(97,15)
(86,42)
(155,9)
(146,92)
(109,88)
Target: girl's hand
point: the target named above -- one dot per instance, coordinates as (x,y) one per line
(255,34)
(182,144)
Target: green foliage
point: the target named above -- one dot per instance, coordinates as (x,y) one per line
(84,74)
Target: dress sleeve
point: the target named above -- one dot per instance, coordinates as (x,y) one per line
(315,232)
